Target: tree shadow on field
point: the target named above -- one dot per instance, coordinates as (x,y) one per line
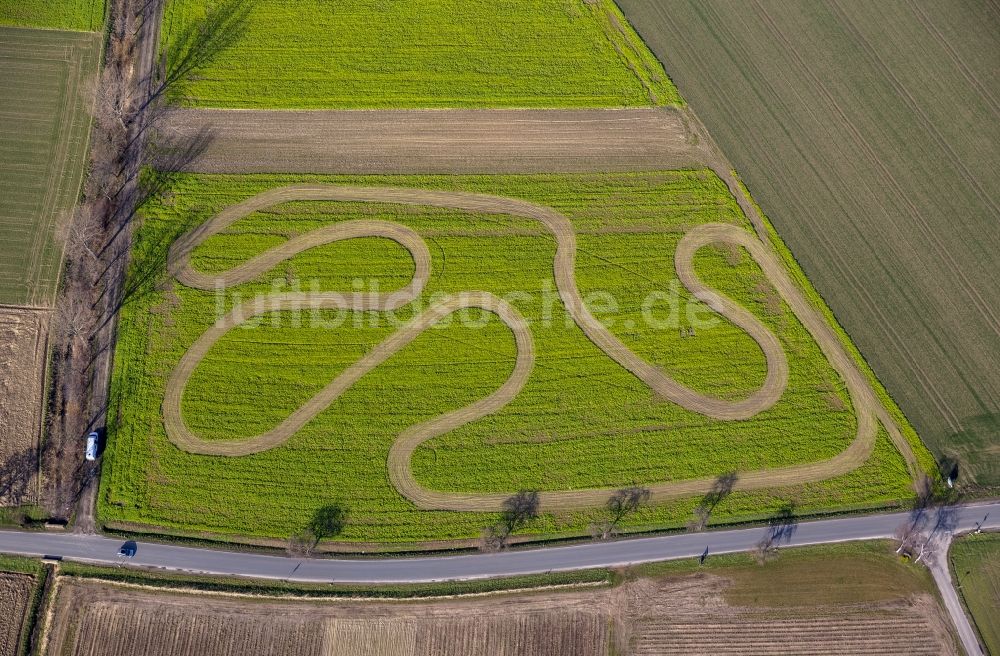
(516,511)
(328,521)
(197,45)
(17,473)
(149,258)
(721,488)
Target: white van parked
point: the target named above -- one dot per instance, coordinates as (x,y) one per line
(91,453)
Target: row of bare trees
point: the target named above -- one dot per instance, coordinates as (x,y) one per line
(933,517)
(128,102)
(90,266)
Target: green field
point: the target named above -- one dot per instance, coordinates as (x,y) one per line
(975,566)
(444,53)
(867,132)
(43,149)
(84,15)
(582,421)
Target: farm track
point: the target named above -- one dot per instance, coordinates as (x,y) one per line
(435,141)
(865,402)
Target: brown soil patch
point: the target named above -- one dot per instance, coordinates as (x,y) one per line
(865,402)
(435,141)
(23,345)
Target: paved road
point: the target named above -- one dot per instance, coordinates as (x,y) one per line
(97,549)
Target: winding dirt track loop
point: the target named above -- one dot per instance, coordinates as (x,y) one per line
(865,403)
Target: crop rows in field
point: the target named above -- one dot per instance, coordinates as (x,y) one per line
(884,633)
(661,608)
(84,15)
(23,349)
(97,619)
(432,141)
(543,631)
(107,628)
(445,53)
(580,421)
(15,595)
(43,146)
(874,154)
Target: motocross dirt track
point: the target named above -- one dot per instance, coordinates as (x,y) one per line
(866,404)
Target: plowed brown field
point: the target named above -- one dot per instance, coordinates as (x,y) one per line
(434,141)
(15,594)
(23,340)
(733,610)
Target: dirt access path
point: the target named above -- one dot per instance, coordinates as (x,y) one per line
(400,473)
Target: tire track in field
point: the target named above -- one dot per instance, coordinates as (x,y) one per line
(400,472)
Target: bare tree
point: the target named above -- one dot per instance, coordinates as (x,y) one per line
(492,539)
(700,519)
(908,535)
(945,521)
(301,544)
(721,489)
(74,321)
(780,528)
(622,502)
(115,100)
(84,235)
(765,549)
(517,511)
(931,516)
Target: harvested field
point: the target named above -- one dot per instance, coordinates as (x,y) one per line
(578,424)
(99,619)
(975,568)
(357,54)
(875,156)
(435,141)
(45,110)
(15,599)
(729,608)
(23,349)
(85,15)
